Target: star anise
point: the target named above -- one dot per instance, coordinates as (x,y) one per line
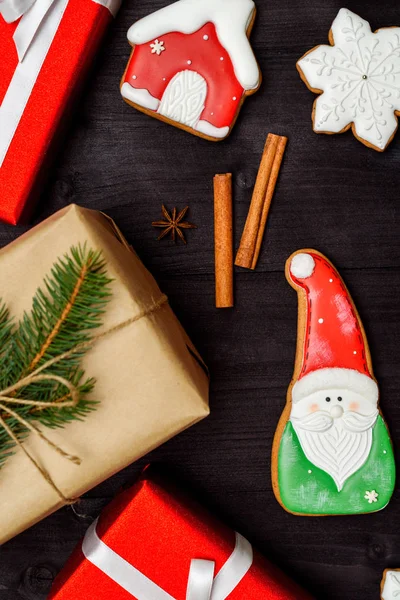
(173,224)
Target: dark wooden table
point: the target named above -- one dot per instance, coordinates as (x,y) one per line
(334,195)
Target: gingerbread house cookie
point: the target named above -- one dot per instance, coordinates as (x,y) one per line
(192,65)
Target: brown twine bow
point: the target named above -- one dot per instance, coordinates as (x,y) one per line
(36,376)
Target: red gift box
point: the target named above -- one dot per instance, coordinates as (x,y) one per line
(153,543)
(44,56)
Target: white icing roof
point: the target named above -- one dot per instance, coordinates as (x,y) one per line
(230,17)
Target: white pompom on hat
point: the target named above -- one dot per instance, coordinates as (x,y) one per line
(302,266)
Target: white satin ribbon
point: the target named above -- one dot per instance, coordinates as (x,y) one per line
(33,37)
(11,10)
(201,582)
(30,25)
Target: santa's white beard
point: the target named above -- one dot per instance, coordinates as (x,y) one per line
(337,446)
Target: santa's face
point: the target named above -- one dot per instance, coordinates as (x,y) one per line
(334,428)
(336,403)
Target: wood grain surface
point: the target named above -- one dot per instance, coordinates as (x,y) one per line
(335,195)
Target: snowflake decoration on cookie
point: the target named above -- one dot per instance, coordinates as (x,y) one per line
(157,47)
(358,77)
(391,585)
(395,582)
(371,496)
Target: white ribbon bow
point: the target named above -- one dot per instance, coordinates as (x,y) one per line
(14,9)
(201,583)
(33,12)
(33,37)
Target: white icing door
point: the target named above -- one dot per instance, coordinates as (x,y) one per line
(184,98)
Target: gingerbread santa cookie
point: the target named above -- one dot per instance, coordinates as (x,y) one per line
(390,586)
(192,65)
(358,77)
(332,451)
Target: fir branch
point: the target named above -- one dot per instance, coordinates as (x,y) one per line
(56,329)
(63,316)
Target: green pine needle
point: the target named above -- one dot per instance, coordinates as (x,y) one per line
(65,313)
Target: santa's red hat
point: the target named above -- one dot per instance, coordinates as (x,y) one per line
(334,353)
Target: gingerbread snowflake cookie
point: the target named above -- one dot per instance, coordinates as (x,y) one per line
(192,65)
(358,77)
(332,451)
(390,586)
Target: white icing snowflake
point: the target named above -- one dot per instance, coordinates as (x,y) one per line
(391,585)
(396,583)
(157,47)
(358,78)
(371,496)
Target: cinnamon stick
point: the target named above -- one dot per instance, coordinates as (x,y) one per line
(253,233)
(223,240)
(276,166)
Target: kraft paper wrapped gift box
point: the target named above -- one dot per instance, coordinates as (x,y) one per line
(155,543)
(46,49)
(150,382)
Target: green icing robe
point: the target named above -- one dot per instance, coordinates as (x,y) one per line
(306,489)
